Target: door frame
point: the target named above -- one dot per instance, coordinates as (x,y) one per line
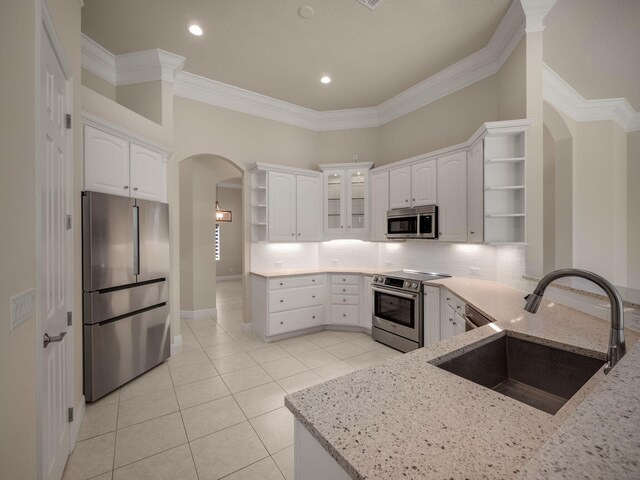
(45,28)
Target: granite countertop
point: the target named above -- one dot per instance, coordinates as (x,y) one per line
(319,270)
(407,418)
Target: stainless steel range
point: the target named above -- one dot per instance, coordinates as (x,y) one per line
(397,308)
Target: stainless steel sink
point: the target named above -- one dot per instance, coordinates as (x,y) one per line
(541,376)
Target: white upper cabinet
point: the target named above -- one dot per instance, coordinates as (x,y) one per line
(423,183)
(106,162)
(148,174)
(475,190)
(115,165)
(358,201)
(452,195)
(400,187)
(282,207)
(334,193)
(379,205)
(308,208)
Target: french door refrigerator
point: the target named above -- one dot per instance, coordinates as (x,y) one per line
(125,270)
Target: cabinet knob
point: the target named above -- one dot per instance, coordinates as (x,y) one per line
(453,322)
(413,199)
(448,299)
(439,233)
(281,283)
(313,296)
(281,301)
(344,314)
(472,233)
(299,234)
(344,299)
(126,187)
(458,307)
(344,289)
(292,234)
(281,323)
(313,316)
(135,189)
(313,279)
(341,226)
(349,226)
(344,279)
(407,201)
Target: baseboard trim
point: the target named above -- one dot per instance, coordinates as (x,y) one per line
(228,278)
(78,415)
(176,346)
(209,312)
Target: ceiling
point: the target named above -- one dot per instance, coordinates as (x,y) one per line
(266,47)
(595,47)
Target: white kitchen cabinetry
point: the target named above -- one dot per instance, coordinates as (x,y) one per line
(345,299)
(286,204)
(346,193)
(423,183)
(475,202)
(287,304)
(116,165)
(452,315)
(431,302)
(366,298)
(452,197)
(400,187)
(413,185)
(379,205)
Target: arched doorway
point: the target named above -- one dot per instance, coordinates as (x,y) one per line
(200,177)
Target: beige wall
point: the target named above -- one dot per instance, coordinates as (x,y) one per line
(18,33)
(197,234)
(340,146)
(230,263)
(512,79)
(633,209)
(448,121)
(143,98)
(17,256)
(98,84)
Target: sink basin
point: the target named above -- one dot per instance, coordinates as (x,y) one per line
(541,376)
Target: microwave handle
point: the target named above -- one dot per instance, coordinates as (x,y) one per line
(410,296)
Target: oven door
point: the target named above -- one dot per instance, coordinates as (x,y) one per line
(397,312)
(402,226)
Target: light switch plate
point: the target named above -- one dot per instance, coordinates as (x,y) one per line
(21,308)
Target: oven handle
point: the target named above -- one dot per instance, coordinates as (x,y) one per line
(411,296)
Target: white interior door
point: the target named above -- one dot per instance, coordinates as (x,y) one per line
(55,378)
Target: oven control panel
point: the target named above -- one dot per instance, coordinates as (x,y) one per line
(398,283)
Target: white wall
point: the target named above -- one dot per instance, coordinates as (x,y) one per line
(633,209)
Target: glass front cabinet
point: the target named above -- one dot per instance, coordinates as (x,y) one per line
(346,193)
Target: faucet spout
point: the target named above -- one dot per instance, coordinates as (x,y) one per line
(617,345)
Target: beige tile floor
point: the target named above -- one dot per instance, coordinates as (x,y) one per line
(216,409)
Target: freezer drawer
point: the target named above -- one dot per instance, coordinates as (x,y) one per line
(105,305)
(116,352)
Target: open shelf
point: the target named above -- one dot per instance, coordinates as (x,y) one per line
(504,160)
(501,215)
(505,187)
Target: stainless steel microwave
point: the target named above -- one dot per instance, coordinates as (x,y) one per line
(417,222)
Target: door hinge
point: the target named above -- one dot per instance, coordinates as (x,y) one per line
(67,121)
(70,414)
(68,222)
(69,319)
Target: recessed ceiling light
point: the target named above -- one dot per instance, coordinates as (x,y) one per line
(325,79)
(196,30)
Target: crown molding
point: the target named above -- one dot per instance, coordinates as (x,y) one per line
(98,60)
(148,66)
(535,11)
(565,98)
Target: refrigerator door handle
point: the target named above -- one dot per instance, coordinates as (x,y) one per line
(136,240)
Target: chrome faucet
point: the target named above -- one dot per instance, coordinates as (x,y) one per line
(617,346)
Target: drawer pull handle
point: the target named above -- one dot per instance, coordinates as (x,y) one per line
(281,283)
(313,316)
(281,301)
(448,299)
(313,296)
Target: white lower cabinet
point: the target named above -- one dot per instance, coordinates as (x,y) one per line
(291,320)
(345,305)
(452,311)
(366,307)
(431,302)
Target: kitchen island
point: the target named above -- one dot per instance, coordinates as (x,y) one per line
(407,418)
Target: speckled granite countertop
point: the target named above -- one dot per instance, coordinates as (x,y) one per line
(319,270)
(407,418)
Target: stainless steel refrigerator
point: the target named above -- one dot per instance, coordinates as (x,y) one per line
(125,273)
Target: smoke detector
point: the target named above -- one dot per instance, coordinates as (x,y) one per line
(372,4)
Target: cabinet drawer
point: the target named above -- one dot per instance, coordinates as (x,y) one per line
(289,299)
(344,314)
(344,300)
(293,282)
(455,303)
(293,320)
(345,290)
(345,279)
